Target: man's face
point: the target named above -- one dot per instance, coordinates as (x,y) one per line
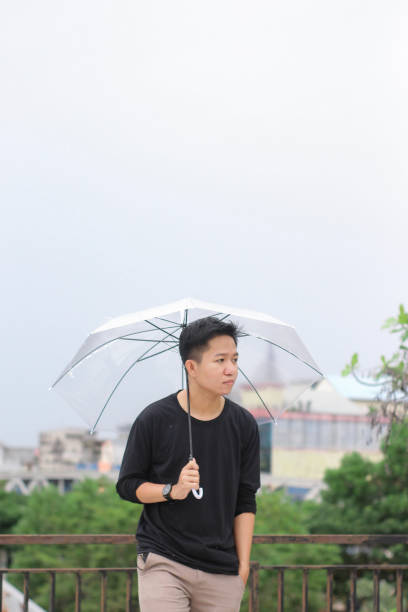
(218,368)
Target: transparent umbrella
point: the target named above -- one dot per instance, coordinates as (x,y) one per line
(133,360)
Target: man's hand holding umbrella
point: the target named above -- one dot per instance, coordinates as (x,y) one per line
(189,479)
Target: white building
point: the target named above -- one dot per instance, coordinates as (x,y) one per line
(16,457)
(329,420)
(68,448)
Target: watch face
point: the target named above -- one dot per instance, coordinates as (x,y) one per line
(166,489)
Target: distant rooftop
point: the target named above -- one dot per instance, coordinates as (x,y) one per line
(350,388)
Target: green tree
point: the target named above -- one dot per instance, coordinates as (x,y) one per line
(391,377)
(364,497)
(93,506)
(279,514)
(383,500)
(367,497)
(11,510)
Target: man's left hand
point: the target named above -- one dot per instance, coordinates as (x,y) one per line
(243,571)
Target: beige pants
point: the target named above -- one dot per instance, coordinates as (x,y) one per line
(168,586)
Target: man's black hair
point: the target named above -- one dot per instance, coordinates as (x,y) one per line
(194,337)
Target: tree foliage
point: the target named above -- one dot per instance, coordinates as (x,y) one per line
(364,497)
(91,507)
(279,514)
(391,376)
(11,509)
(94,507)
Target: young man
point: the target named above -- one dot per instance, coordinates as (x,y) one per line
(194,553)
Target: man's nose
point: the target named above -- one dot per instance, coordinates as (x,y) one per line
(230,367)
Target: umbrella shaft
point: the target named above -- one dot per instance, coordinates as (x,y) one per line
(190,435)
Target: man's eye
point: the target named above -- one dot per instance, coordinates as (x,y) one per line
(220,359)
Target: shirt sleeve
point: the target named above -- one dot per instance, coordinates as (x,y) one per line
(136,461)
(249,472)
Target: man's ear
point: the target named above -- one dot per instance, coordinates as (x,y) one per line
(190,366)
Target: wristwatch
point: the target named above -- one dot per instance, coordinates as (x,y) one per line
(166,491)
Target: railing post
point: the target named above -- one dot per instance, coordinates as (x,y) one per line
(103,591)
(52,592)
(353,592)
(399,591)
(1,590)
(281,590)
(26,591)
(305,589)
(329,591)
(254,587)
(376,599)
(78,593)
(129,592)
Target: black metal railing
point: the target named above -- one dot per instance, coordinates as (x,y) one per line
(330,569)
(78,573)
(253,582)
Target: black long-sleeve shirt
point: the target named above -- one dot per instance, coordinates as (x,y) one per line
(197,533)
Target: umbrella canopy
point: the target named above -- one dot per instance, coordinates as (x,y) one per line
(133,360)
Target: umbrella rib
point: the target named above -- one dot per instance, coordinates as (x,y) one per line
(154,345)
(145,340)
(157,327)
(147,330)
(100,346)
(294,400)
(287,351)
(138,360)
(168,321)
(256,391)
(142,358)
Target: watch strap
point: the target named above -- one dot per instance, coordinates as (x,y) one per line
(167,491)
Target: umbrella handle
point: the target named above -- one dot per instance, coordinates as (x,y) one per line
(197,494)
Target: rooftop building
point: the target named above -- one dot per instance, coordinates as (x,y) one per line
(70,448)
(16,457)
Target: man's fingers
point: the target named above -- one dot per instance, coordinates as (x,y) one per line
(191,472)
(190,482)
(190,476)
(190,479)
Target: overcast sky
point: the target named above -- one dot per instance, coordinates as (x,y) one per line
(248,153)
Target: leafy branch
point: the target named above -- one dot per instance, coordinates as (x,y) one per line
(391,377)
